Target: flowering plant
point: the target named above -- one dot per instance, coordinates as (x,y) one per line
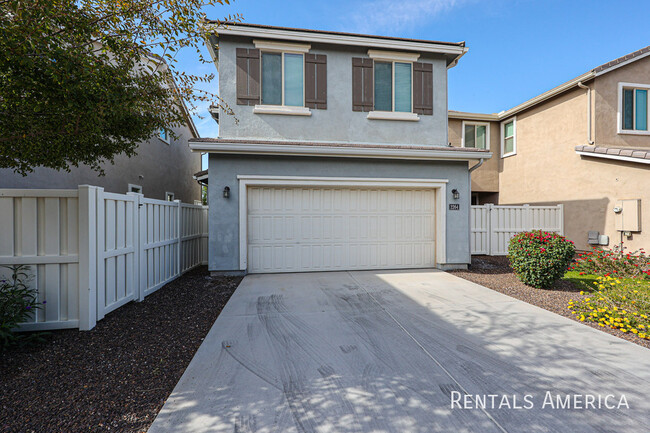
(622,304)
(17,303)
(615,262)
(540,258)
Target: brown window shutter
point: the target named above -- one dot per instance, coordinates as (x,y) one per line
(423,88)
(316,81)
(362,84)
(248,76)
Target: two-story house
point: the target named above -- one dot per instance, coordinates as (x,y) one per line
(585,144)
(337,155)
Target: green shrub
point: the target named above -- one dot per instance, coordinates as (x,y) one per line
(540,258)
(614,262)
(17,303)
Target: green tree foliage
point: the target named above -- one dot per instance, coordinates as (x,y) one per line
(82,81)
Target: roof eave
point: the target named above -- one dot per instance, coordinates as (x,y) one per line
(332,151)
(341,39)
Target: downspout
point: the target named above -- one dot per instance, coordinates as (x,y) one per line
(582,86)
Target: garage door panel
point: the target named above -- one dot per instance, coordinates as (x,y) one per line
(317,229)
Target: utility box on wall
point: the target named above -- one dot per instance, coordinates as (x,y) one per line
(628,219)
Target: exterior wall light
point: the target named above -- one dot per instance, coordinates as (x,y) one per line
(455,193)
(226,192)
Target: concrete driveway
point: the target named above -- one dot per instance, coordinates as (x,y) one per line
(392,351)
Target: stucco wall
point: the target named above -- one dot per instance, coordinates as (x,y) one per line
(224,213)
(546,170)
(158,168)
(486,177)
(338,122)
(606,103)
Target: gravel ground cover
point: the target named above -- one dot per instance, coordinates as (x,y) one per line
(496,274)
(117,376)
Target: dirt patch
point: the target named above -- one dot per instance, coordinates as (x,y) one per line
(117,376)
(496,274)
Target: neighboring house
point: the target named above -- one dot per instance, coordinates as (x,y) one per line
(162,169)
(585,144)
(336,157)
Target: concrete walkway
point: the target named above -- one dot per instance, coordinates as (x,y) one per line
(388,351)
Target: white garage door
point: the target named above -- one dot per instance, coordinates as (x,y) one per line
(296,229)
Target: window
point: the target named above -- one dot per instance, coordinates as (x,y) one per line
(283,79)
(164,135)
(169,196)
(476,135)
(633,108)
(509,138)
(393,87)
(135,188)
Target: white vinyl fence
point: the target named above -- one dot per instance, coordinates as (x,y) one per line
(91,252)
(493,226)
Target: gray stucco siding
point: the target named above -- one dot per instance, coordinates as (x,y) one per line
(157,167)
(338,122)
(224,212)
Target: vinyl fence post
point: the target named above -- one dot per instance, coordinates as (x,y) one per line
(179,270)
(561,218)
(527,218)
(101,249)
(87,257)
(490,229)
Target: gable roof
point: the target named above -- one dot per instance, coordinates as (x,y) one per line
(595,72)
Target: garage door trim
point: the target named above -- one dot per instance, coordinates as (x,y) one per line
(297,181)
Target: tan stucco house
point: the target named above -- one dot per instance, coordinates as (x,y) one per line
(584,144)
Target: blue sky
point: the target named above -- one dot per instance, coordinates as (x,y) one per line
(517,49)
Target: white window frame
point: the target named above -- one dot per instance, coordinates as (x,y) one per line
(166,139)
(133,186)
(487,132)
(167,194)
(514,136)
(619,122)
(282,48)
(393,57)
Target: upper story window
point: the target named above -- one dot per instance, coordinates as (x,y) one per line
(633,108)
(164,135)
(509,138)
(281,78)
(476,135)
(393,86)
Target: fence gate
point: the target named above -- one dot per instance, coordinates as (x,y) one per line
(90,251)
(493,226)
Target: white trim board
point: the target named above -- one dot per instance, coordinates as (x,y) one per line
(616,157)
(328,38)
(254,180)
(336,151)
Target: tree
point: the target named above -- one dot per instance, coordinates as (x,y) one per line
(84,80)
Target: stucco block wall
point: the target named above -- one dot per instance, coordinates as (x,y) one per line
(163,167)
(224,212)
(486,177)
(338,122)
(606,105)
(546,170)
